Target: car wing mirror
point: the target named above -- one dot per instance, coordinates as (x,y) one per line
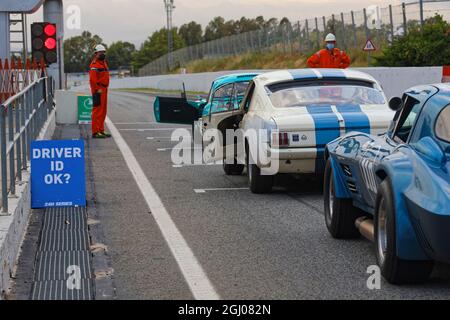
(395,104)
(431,150)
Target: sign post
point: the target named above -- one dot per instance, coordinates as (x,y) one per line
(84,109)
(57,174)
(369,47)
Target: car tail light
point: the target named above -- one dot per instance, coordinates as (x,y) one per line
(280,139)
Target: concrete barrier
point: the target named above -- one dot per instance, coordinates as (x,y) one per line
(14,225)
(67,103)
(393,80)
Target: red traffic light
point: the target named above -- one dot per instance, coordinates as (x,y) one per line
(44,42)
(50,30)
(50,43)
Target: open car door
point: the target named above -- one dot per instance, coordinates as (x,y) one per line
(174,110)
(224,113)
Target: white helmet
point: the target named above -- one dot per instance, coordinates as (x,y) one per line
(330,38)
(99,48)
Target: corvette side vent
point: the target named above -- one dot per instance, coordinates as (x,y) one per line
(421,235)
(352,187)
(346,170)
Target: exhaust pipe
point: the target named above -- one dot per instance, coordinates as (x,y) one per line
(366,228)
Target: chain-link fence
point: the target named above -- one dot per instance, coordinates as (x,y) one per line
(352,30)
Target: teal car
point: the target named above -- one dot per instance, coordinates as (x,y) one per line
(225,95)
(219,111)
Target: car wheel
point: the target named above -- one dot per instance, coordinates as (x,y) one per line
(340,214)
(393,269)
(257,182)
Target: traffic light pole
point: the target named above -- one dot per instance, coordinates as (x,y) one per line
(54,13)
(4,36)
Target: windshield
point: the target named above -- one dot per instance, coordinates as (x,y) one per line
(336,94)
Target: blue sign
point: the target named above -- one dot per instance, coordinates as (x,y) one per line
(57,174)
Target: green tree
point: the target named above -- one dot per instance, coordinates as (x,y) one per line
(428,46)
(191,33)
(120,54)
(246,25)
(156,46)
(78,52)
(215,29)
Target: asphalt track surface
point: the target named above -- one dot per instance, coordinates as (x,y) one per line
(249,246)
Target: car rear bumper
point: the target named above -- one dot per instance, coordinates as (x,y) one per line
(296,160)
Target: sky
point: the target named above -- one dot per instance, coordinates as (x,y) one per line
(135,20)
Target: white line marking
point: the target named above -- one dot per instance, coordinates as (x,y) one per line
(130,123)
(150,129)
(218,189)
(166,138)
(219,163)
(178,148)
(195,276)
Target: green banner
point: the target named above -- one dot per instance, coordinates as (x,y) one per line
(84,109)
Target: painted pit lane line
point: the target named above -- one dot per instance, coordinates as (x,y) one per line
(140,123)
(196,278)
(149,129)
(218,189)
(178,148)
(219,163)
(167,138)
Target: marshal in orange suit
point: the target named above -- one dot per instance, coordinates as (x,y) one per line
(330,57)
(99,81)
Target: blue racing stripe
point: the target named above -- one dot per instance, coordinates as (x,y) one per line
(299,74)
(326,128)
(355,119)
(332,73)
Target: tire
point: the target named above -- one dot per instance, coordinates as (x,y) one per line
(340,214)
(257,182)
(393,269)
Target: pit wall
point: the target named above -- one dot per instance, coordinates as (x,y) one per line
(393,80)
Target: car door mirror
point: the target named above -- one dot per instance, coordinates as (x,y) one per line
(431,150)
(395,103)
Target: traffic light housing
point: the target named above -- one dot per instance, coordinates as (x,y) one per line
(44,42)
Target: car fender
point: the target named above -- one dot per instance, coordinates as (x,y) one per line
(340,188)
(398,168)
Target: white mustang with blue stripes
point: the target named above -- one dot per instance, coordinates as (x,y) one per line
(304,110)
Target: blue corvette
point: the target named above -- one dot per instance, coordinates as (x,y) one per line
(395,188)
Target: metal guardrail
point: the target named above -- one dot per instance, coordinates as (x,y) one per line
(22,117)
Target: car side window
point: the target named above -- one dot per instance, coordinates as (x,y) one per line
(248,96)
(442,128)
(222,99)
(406,121)
(240,88)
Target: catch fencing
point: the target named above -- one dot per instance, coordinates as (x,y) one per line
(352,29)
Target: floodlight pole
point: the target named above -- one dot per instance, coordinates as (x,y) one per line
(169,10)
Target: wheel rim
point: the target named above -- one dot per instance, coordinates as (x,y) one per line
(382,232)
(331,197)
